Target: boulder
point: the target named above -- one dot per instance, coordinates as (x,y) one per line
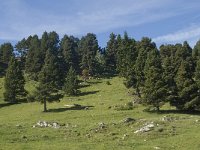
(146,128)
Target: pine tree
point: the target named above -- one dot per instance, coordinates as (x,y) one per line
(49,81)
(167,53)
(34,59)
(14,82)
(68,48)
(143,48)
(6,52)
(88,47)
(71,83)
(196,51)
(187,88)
(22,47)
(126,56)
(154,86)
(111,52)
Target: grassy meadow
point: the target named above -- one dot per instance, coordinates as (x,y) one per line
(81,127)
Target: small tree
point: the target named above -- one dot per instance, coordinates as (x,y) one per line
(14,82)
(71,83)
(154,87)
(48,85)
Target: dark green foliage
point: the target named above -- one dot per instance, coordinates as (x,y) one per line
(34,58)
(14,82)
(71,83)
(196,51)
(22,47)
(188,96)
(6,52)
(69,50)
(100,63)
(126,56)
(167,53)
(154,86)
(49,80)
(111,52)
(88,47)
(143,48)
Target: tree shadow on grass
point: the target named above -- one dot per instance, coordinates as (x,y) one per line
(94,82)
(174,111)
(7,104)
(87,93)
(78,107)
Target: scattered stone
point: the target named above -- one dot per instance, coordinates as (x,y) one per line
(88,135)
(156,147)
(124,136)
(197,120)
(18,125)
(102,125)
(128,120)
(45,124)
(146,128)
(86,108)
(169,118)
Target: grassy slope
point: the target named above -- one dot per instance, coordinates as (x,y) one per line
(80,133)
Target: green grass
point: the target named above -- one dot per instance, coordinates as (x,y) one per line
(81,126)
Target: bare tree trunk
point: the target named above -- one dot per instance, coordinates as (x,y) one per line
(45,105)
(138,92)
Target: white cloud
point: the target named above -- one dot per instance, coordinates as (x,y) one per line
(20,19)
(190,34)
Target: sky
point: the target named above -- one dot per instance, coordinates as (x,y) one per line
(165,21)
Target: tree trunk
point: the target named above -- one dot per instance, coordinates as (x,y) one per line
(138,92)
(45,105)
(157,108)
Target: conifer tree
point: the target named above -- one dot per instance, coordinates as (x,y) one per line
(49,81)
(88,47)
(68,48)
(14,82)
(143,48)
(6,52)
(196,51)
(154,86)
(187,88)
(126,56)
(167,53)
(34,59)
(111,52)
(71,83)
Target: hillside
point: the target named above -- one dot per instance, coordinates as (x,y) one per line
(97,122)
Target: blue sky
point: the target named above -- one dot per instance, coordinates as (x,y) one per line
(165,21)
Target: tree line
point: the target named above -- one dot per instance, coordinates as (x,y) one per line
(168,74)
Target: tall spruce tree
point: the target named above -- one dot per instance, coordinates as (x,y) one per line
(187,88)
(14,82)
(126,56)
(154,86)
(143,48)
(71,83)
(111,52)
(34,59)
(6,52)
(167,53)
(88,47)
(196,51)
(49,81)
(68,48)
